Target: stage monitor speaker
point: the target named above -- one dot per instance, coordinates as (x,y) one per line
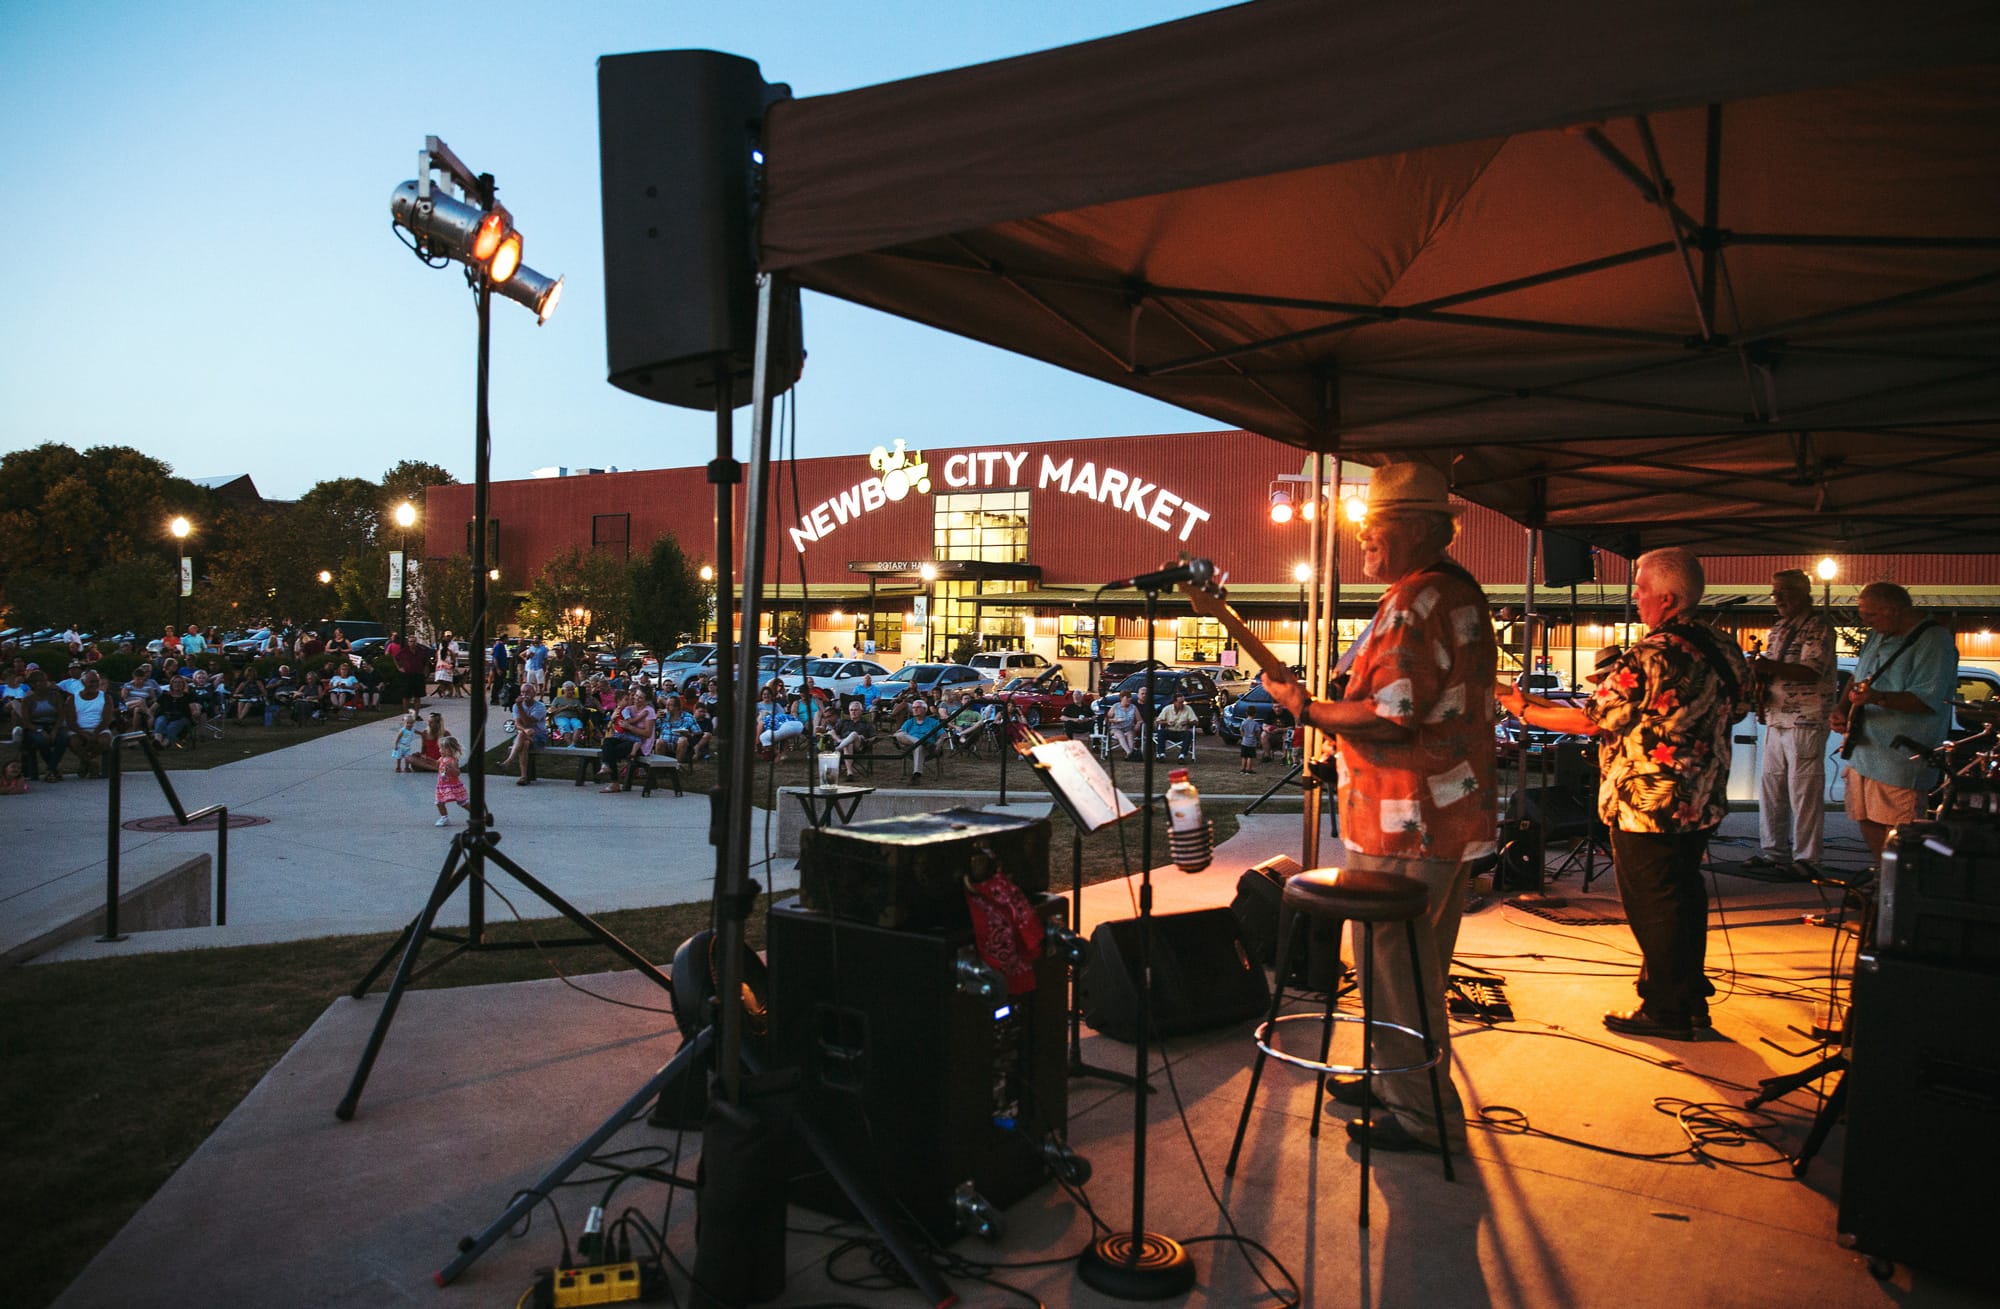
(1940,893)
(1523,853)
(1923,1102)
(1203,975)
(1259,910)
(939,1095)
(676,133)
(1564,812)
(1567,561)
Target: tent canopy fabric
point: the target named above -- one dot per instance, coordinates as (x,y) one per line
(1652,273)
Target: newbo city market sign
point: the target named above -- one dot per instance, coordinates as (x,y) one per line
(899,472)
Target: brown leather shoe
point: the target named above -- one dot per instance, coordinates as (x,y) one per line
(1643,1022)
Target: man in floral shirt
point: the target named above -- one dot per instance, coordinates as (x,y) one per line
(1667,707)
(1416,774)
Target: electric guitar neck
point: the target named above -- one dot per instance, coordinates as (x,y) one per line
(1210,600)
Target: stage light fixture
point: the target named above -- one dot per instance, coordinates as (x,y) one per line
(1281,505)
(451,216)
(1357,509)
(530,288)
(506,259)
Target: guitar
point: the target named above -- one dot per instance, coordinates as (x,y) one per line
(1855,713)
(1211,600)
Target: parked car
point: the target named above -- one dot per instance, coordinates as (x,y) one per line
(1196,686)
(1041,698)
(1119,669)
(1230,683)
(997,666)
(837,677)
(1254,703)
(698,660)
(368,647)
(610,659)
(929,681)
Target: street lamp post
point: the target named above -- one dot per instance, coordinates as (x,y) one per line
(406,514)
(708,602)
(1827,570)
(929,575)
(1302,573)
(180,527)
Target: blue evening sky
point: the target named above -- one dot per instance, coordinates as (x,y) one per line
(200,262)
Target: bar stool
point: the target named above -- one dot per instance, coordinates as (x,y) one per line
(1366,898)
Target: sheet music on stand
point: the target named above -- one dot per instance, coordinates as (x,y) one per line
(1079,781)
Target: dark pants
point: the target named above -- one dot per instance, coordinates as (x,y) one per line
(1666,903)
(48,742)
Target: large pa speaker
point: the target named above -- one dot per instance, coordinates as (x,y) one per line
(1204,976)
(1566,561)
(1923,1116)
(941,1096)
(676,132)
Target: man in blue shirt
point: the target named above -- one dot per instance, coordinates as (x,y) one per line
(676,728)
(1903,685)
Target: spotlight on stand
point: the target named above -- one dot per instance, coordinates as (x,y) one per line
(451,216)
(1281,505)
(530,288)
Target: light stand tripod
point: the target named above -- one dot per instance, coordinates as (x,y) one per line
(1137,1264)
(472,848)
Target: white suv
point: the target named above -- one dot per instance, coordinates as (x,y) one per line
(998,667)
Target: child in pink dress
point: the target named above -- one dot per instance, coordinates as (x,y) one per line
(450,785)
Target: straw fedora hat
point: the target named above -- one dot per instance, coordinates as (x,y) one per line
(1410,487)
(1601,665)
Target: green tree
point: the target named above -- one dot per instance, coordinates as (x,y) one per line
(579,594)
(407,480)
(667,596)
(441,596)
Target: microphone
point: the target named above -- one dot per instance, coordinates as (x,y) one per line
(1197,571)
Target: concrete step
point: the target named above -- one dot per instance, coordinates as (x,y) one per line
(157,891)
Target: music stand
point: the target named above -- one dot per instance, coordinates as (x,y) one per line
(1084,790)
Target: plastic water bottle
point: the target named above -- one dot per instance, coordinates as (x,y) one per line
(1189,836)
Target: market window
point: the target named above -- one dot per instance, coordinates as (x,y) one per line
(1077,637)
(1198,641)
(989,526)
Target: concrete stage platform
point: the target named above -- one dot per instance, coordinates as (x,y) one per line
(479,1090)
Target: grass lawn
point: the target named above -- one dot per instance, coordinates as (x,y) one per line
(120,1068)
(243,739)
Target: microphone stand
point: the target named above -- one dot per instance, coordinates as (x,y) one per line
(1138,1264)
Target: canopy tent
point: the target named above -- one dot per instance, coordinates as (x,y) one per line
(1653,273)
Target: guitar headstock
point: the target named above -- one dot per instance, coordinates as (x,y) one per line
(1210,599)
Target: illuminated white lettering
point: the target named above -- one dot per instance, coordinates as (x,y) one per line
(1085,481)
(802,534)
(873,497)
(1014,462)
(1194,516)
(847,504)
(1135,497)
(1053,473)
(1110,485)
(989,458)
(1163,508)
(953,476)
(822,521)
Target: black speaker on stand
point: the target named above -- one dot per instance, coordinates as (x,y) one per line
(678,136)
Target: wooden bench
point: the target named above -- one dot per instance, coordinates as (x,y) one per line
(587,757)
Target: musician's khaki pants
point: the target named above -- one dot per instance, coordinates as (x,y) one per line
(1791,800)
(1408,1095)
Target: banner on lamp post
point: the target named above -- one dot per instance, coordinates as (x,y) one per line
(395,574)
(187,575)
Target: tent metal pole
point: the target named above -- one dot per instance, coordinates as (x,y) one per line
(1312,652)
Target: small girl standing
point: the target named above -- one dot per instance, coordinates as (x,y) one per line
(450,786)
(406,743)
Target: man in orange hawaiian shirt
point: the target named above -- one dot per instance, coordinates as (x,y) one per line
(1416,774)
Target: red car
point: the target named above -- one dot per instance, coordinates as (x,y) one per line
(1041,698)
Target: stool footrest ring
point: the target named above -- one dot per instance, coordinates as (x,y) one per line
(1270,1047)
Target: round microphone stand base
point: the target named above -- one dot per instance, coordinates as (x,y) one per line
(1137,1266)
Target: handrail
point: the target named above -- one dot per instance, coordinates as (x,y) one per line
(115,780)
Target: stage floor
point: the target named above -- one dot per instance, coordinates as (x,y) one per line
(479,1090)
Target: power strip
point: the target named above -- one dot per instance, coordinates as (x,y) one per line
(635,1280)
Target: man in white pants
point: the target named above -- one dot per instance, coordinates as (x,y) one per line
(1796,672)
